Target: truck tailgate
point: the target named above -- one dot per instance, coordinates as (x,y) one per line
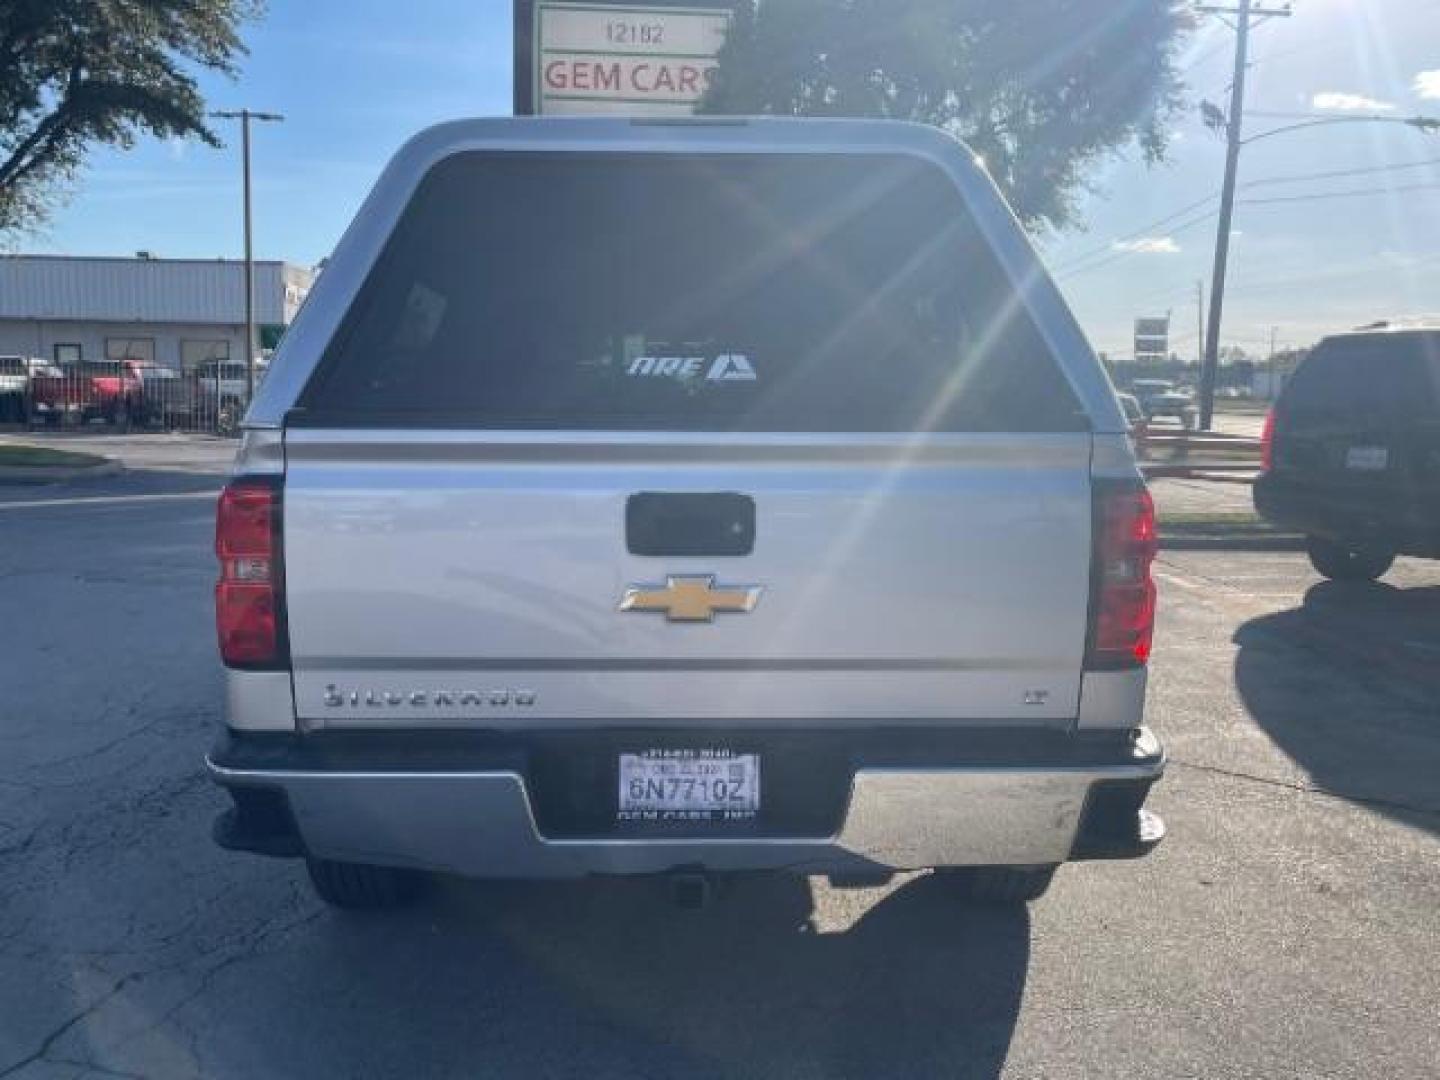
(443,578)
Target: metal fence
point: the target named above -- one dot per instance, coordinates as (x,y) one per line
(1178,451)
(124,398)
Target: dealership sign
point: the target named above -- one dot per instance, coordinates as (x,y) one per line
(1152,339)
(621,59)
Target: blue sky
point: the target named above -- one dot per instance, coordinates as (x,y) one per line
(356,77)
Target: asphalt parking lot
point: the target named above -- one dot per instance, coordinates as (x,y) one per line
(1288,926)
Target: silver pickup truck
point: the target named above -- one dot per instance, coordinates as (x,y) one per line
(681,498)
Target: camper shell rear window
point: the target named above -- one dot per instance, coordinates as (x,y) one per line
(723,292)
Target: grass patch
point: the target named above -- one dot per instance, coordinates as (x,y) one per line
(33,457)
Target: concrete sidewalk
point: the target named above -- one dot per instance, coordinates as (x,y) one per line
(1179,497)
(203,454)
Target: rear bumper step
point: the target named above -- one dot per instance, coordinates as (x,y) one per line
(480,820)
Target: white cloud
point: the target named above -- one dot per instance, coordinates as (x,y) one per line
(1335,100)
(1148,245)
(1427,85)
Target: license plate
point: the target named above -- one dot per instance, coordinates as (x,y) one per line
(689,785)
(1367,458)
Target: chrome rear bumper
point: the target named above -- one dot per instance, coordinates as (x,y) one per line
(483,824)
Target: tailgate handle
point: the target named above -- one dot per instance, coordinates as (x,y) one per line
(702,525)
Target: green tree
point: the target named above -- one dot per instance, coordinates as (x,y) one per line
(76,73)
(1043,90)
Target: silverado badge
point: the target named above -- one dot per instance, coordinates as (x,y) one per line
(692,598)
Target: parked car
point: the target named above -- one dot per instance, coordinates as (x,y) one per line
(111,391)
(1162,398)
(566,540)
(224,391)
(169,398)
(1351,452)
(1136,418)
(14,388)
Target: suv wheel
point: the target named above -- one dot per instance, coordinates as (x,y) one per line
(357,887)
(994,885)
(1340,563)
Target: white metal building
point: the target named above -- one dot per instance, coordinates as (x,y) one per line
(176,312)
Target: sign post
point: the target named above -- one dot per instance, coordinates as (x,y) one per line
(607,58)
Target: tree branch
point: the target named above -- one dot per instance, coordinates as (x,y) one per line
(47,131)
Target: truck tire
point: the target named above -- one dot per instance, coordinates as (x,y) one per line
(1339,563)
(357,887)
(999,885)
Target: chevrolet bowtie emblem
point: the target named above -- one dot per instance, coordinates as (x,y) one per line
(692,598)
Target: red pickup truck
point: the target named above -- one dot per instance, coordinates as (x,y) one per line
(111,391)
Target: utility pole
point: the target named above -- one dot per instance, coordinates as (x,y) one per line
(245,116)
(1244,14)
(1200,321)
(1274,335)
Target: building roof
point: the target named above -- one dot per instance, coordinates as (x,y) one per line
(102,289)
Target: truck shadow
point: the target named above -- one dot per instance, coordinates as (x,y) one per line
(606,978)
(1348,685)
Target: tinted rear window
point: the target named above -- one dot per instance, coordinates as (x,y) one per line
(13,365)
(1385,375)
(767,293)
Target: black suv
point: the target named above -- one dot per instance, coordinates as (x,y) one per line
(1352,452)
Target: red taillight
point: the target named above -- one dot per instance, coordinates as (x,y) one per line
(1267,443)
(1123,614)
(249,596)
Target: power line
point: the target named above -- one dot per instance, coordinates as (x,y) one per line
(1137,234)
(1308,283)
(1269,181)
(1319,195)
(1074,265)
(1173,292)
(1116,256)
(1224,86)
(1268,114)
(1336,174)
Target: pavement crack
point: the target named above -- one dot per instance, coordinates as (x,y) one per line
(99,1070)
(59,1033)
(1310,789)
(249,948)
(97,751)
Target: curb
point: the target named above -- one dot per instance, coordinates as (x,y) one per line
(57,474)
(1232,542)
(1216,472)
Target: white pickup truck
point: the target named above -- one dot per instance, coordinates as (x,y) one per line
(14,387)
(681,498)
